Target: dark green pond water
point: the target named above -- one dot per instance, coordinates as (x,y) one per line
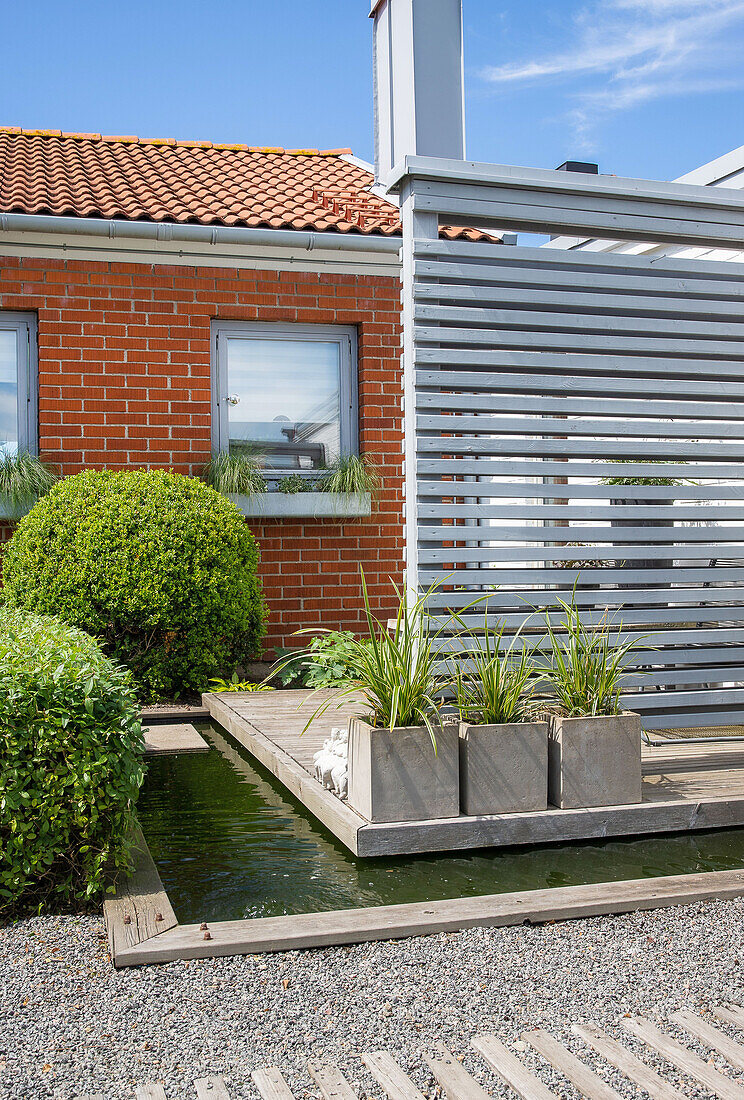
(229,842)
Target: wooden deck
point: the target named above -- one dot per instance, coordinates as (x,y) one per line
(685,788)
(501,1059)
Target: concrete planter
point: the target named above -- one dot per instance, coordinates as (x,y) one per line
(304,505)
(503,768)
(594,761)
(394,775)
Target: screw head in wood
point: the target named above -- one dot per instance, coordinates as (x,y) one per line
(127,918)
(158,916)
(207,935)
(203,926)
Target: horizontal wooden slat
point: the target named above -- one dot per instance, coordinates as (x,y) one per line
(659,372)
(565,404)
(578,342)
(529,319)
(541,425)
(684,449)
(630,552)
(488,488)
(538,468)
(588,513)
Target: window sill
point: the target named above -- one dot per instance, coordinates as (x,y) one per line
(305,505)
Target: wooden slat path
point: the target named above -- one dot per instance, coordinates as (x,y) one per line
(684,1059)
(271,1084)
(624,1060)
(685,788)
(712,1037)
(211,1088)
(331,1081)
(579,1074)
(452,1076)
(139,910)
(458,1084)
(386,1071)
(510,1070)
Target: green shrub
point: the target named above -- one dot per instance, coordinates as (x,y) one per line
(70,764)
(330,660)
(159,567)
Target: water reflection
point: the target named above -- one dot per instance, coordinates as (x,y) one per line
(230,842)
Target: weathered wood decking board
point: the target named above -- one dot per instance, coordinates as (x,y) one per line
(498,1053)
(683,790)
(182,737)
(139,909)
(389,922)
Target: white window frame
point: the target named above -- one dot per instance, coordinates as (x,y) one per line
(24,326)
(346,338)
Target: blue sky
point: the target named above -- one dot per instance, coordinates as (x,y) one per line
(645,87)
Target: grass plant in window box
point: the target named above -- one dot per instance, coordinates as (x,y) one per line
(24,478)
(594,747)
(503,749)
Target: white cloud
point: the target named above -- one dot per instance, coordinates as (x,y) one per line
(627,52)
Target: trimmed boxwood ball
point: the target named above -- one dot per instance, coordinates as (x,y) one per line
(157,566)
(70,764)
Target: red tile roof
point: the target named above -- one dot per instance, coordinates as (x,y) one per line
(90,176)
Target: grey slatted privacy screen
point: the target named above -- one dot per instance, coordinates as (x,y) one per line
(536,376)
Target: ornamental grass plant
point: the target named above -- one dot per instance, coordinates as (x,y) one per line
(498,681)
(24,478)
(586,664)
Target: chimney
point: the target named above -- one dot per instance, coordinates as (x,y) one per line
(586,166)
(418,81)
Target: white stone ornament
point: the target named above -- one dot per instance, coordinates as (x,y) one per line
(331,762)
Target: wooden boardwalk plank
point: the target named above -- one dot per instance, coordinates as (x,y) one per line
(711,1036)
(166,739)
(633,1068)
(386,1071)
(730,1014)
(452,1076)
(579,1074)
(331,1081)
(271,1084)
(211,1088)
(510,1070)
(153,1090)
(684,1059)
(386,922)
(139,910)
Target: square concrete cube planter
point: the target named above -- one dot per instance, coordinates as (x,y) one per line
(594,761)
(503,768)
(394,775)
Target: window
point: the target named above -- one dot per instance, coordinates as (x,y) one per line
(286,393)
(18,429)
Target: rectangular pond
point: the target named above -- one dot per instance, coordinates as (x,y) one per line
(231,843)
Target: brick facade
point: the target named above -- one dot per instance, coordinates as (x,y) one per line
(124,381)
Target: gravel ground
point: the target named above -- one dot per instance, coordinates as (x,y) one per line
(70,1024)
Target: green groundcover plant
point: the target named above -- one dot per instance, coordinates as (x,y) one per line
(70,765)
(159,567)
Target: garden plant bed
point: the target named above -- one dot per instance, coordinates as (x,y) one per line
(676,797)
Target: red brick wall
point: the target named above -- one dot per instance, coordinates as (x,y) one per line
(124,380)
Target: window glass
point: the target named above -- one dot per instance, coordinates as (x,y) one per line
(284,400)
(8,391)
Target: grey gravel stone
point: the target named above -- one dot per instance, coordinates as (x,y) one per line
(70,1024)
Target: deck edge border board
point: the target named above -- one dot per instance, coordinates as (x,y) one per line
(388,922)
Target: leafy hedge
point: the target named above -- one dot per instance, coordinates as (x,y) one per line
(157,566)
(70,764)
